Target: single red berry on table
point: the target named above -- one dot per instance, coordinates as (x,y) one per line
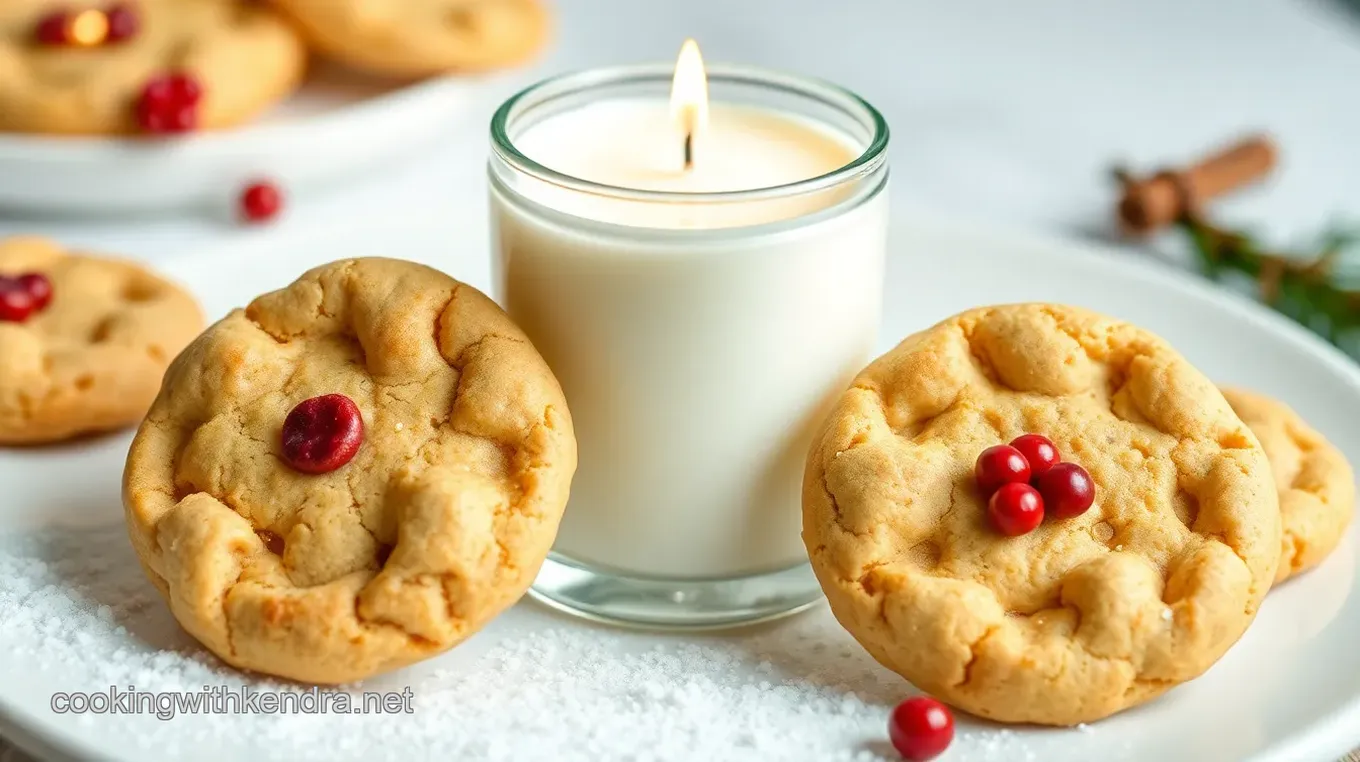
(1039,452)
(261,201)
(998,465)
(16,303)
(1016,509)
(322,434)
(1067,490)
(124,23)
(921,728)
(54,29)
(38,287)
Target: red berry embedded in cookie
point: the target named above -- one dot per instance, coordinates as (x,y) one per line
(322,434)
(124,23)
(16,303)
(1039,452)
(39,287)
(921,728)
(261,202)
(1016,509)
(1067,490)
(169,104)
(54,29)
(998,465)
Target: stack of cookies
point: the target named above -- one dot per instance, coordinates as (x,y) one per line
(948,549)
(162,67)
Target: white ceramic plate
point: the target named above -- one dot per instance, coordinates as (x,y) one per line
(340,122)
(76,614)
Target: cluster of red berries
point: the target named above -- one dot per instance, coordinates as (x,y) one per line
(169,104)
(23,295)
(1026,479)
(920,728)
(114,25)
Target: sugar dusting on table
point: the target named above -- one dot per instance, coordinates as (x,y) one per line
(77,611)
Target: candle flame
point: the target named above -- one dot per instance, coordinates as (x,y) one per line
(689,96)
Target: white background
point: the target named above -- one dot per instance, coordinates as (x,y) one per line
(1008,112)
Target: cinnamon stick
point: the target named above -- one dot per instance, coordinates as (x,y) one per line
(1167,196)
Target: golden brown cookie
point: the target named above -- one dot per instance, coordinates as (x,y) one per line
(242,55)
(1081,617)
(1316,485)
(438,523)
(416,38)
(92,360)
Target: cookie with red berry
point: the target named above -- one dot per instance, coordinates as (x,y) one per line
(151,67)
(1315,481)
(351,474)
(1039,514)
(84,340)
(417,38)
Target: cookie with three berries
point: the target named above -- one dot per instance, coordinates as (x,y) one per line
(1039,514)
(350,475)
(156,67)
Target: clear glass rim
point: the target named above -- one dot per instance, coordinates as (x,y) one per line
(848,102)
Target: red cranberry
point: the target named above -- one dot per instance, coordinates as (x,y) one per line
(322,434)
(921,728)
(166,120)
(169,104)
(38,287)
(1067,490)
(1016,509)
(261,202)
(16,303)
(54,29)
(1039,452)
(172,88)
(123,22)
(1000,465)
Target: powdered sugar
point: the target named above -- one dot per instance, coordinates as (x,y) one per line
(76,611)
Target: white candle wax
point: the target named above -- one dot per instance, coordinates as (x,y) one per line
(696,368)
(637,144)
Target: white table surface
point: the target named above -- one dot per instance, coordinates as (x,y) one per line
(1008,112)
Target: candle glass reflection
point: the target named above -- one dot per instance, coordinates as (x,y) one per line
(700,325)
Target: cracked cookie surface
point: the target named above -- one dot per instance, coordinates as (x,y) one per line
(438,523)
(92,360)
(244,56)
(415,38)
(1080,618)
(1314,480)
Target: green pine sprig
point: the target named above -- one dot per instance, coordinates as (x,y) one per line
(1319,289)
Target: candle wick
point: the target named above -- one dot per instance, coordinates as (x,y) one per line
(689,150)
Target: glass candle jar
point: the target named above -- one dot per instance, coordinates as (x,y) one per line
(701,320)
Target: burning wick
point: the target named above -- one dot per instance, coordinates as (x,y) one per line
(689,97)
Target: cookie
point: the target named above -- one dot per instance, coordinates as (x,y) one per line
(438,521)
(1080,618)
(417,38)
(1315,482)
(243,57)
(93,358)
